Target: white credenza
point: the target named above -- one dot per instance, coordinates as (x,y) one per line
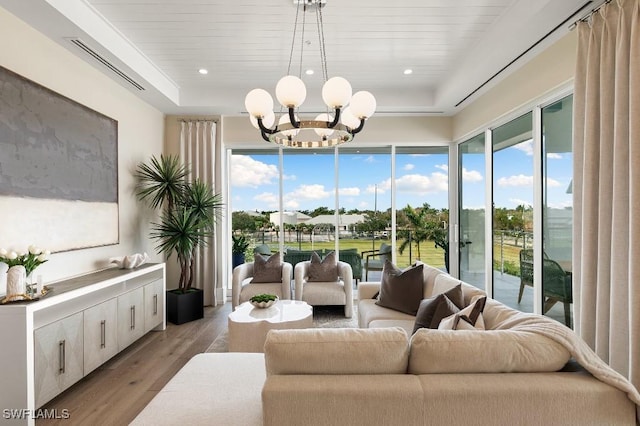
(48,345)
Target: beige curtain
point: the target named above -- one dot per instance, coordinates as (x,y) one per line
(606,189)
(197,151)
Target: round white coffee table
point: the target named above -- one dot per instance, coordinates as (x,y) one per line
(248,326)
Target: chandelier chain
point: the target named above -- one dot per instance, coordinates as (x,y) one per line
(304,23)
(323,51)
(293,40)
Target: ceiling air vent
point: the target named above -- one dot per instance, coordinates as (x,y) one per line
(95,55)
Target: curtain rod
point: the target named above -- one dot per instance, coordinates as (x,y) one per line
(182,120)
(588,15)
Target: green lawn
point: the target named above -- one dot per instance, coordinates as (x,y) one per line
(430,255)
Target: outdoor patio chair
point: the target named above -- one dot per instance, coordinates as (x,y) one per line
(373,260)
(556,282)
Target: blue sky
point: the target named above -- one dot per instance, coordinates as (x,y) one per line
(365,180)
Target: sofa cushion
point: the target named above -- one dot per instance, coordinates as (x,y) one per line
(469,318)
(267,270)
(401,290)
(490,351)
(432,310)
(337,351)
(429,275)
(325,270)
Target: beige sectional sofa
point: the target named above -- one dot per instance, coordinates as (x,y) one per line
(520,370)
(380,377)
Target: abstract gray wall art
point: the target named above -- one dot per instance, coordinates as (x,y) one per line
(58,170)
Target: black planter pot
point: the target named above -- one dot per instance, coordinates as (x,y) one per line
(237,259)
(185,307)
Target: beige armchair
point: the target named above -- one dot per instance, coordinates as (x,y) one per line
(242,287)
(319,293)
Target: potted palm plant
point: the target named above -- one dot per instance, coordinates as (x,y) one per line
(239,249)
(188,213)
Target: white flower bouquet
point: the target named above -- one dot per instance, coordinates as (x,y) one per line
(33,258)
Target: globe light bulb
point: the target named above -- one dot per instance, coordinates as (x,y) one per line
(324,132)
(291,91)
(336,92)
(258,103)
(348,119)
(285,119)
(363,104)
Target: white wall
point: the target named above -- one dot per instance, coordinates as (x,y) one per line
(544,74)
(140,134)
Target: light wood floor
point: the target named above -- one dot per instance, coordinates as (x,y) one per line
(117,391)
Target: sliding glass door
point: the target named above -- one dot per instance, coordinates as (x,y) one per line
(471,202)
(557,213)
(513,195)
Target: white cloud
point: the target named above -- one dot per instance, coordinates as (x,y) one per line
(268,199)
(380,188)
(308,192)
(370,159)
(349,192)
(554,156)
(552,182)
(517,180)
(247,172)
(442,167)
(471,175)
(409,167)
(421,184)
(526,147)
(291,205)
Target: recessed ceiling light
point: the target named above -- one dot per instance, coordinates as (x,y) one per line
(408,71)
(309,72)
(203,71)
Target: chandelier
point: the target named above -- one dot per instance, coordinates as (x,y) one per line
(346,113)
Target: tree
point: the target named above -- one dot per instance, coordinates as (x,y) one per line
(321,211)
(426,224)
(241,221)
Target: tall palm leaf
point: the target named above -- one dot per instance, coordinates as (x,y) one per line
(199,197)
(162,180)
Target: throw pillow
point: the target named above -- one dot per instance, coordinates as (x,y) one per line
(323,270)
(433,310)
(470,318)
(267,270)
(400,290)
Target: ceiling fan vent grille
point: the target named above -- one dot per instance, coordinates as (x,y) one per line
(95,55)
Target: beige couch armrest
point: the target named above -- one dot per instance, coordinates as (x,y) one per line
(345,273)
(240,273)
(287,270)
(366,290)
(300,275)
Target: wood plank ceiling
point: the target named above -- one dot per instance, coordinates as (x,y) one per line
(452,47)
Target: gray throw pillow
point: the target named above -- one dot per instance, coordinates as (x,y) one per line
(323,270)
(267,270)
(401,290)
(433,310)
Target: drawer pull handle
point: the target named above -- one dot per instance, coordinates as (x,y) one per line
(103,337)
(133,317)
(155,304)
(61,357)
